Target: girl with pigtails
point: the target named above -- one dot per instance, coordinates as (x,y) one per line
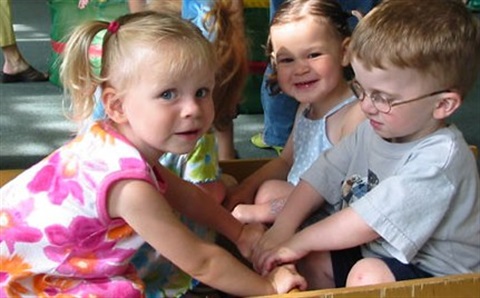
(72,222)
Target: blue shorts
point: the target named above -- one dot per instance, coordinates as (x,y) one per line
(343,261)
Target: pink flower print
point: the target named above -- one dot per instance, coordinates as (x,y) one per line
(13,227)
(131,163)
(57,178)
(109,288)
(82,249)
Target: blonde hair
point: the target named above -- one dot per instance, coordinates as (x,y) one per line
(231,46)
(143,30)
(325,11)
(438,38)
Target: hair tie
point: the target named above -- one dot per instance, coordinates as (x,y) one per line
(113,27)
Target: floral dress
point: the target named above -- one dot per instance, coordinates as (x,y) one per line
(56,235)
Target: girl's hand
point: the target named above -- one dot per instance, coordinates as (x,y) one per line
(251,234)
(286,278)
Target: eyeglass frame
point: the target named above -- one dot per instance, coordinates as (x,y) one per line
(376,98)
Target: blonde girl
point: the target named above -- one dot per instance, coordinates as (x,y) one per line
(72,222)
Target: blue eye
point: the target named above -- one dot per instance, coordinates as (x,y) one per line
(169,94)
(284,60)
(202,93)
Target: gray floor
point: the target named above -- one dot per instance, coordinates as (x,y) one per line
(32,121)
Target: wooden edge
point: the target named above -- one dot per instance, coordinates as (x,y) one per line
(462,285)
(7,175)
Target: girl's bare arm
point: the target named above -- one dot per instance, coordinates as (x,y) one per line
(150,215)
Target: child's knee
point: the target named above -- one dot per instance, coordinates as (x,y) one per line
(264,193)
(369,271)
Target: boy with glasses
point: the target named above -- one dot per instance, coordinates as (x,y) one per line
(403,190)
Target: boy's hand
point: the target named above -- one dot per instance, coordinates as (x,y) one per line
(286,278)
(251,234)
(270,240)
(285,254)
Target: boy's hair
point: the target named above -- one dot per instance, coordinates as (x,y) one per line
(181,41)
(231,47)
(325,11)
(438,38)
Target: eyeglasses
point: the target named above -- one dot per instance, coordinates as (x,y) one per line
(382,104)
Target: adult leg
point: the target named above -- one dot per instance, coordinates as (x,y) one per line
(14,61)
(279,114)
(15,67)
(279,110)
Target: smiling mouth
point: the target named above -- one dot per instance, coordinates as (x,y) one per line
(305,84)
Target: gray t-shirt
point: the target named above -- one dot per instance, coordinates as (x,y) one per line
(421,197)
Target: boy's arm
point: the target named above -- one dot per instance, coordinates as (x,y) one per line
(303,200)
(341,230)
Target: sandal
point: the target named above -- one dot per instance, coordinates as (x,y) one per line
(28,75)
(257,141)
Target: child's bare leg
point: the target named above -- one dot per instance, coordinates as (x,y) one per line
(273,189)
(259,213)
(369,271)
(269,201)
(317,270)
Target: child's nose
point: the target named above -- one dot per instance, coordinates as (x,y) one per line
(191,108)
(301,66)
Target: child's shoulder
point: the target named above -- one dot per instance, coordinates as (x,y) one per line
(448,147)
(352,117)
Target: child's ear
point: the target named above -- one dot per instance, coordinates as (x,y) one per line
(345,52)
(113,105)
(447,105)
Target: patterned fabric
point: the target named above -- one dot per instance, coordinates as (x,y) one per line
(310,140)
(56,234)
(200,165)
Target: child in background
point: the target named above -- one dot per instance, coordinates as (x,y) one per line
(307,43)
(73,221)
(405,185)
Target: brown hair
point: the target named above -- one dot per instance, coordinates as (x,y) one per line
(326,11)
(437,38)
